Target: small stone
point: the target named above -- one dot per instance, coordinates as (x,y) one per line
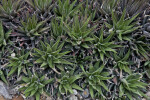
(85,93)
(4,91)
(148,94)
(148,28)
(13,55)
(2,98)
(73,97)
(18,97)
(75,92)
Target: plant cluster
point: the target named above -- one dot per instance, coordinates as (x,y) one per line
(58,47)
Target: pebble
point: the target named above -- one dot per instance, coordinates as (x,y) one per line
(13,55)
(73,97)
(85,93)
(75,92)
(148,94)
(18,98)
(3,91)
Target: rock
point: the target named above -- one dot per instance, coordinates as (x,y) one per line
(75,92)
(13,55)
(85,93)
(2,98)
(148,94)
(3,91)
(73,97)
(18,97)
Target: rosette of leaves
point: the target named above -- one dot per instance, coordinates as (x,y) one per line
(104,46)
(3,36)
(57,28)
(67,9)
(147,68)
(42,8)
(132,87)
(107,6)
(122,27)
(9,9)
(121,61)
(34,85)
(67,83)
(94,79)
(51,55)
(2,76)
(140,45)
(89,9)
(19,63)
(32,27)
(79,34)
(82,57)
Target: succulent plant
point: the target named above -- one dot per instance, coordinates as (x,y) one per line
(131,87)
(67,83)
(51,55)
(94,79)
(34,85)
(66,9)
(121,61)
(107,6)
(79,33)
(89,9)
(19,63)
(122,27)
(97,48)
(41,5)
(31,27)
(104,46)
(10,9)
(140,45)
(57,28)
(4,37)
(2,76)
(147,68)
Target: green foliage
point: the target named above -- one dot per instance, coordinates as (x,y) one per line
(67,83)
(104,46)
(9,8)
(31,27)
(66,9)
(122,27)
(122,62)
(3,77)
(108,6)
(34,85)
(3,36)
(57,28)
(131,86)
(89,11)
(41,5)
(69,42)
(140,45)
(51,55)
(94,79)
(147,68)
(19,63)
(79,33)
